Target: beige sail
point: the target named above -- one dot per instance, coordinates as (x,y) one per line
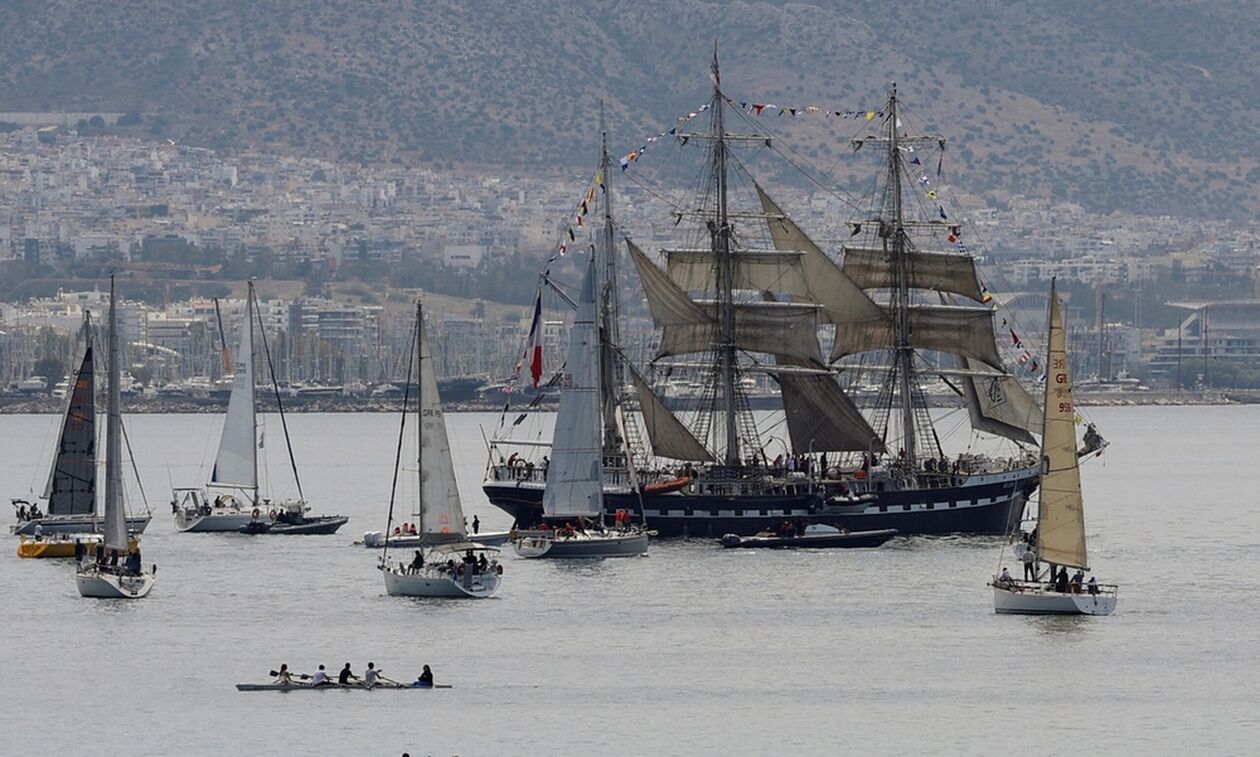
(1061,514)
(841,299)
(872,268)
(1000,405)
(669,437)
(690,326)
(966,331)
(820,416)
(757,270)
(776,328)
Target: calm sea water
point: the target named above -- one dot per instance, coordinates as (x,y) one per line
(693,650)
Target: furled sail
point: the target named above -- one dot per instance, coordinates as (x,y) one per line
(669,437)
(958,330)
(440,512)
(842,300)
(237,461)
(821,417)
(1061,513)
(115,515)
(690,326)
(757,270)
(1000,405)
(871,268)
(72,485)
(575,474)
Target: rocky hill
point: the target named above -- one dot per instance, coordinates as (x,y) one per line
(1149,106)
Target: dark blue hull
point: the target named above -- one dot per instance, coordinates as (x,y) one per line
(988,507)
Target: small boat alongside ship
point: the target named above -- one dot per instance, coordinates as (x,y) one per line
(813,536)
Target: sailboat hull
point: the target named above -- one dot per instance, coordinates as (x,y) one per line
(97,585)
(536,545)
(74,524)
(981,505)
(214,523)
(441,585)
(1037,599)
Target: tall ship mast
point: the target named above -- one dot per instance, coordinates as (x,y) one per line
(750,294)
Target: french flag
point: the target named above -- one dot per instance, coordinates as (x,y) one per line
(534,348)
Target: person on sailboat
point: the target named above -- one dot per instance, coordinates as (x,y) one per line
(80,551)
(1092,586)
(417,562)
(476,525)
(1005,579)
(1078,581)
(1061,580)
(1030,563)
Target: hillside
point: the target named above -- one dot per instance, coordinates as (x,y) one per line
(1147,106)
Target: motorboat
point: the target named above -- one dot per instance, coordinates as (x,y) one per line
(814,536)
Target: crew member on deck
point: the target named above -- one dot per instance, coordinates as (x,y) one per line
(417,563)
(1030,564)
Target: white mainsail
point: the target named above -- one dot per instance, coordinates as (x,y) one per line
(237,461)
(440,511)
(574,476)
(115,516)
(1061,514)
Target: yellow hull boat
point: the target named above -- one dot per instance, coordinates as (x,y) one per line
(62,545)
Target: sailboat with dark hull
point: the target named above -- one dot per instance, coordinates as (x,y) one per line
(734,309)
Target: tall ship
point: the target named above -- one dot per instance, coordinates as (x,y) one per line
(747,293)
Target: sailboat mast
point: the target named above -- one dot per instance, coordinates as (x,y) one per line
(905,350)
(115,518)
(720,233)
(612,374)
(419,415)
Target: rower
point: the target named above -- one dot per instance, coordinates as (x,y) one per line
(284,676)
(425,681)
(320,678)
(345,675)
(371,675)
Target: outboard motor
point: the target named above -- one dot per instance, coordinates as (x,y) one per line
(373,539)
(730,540)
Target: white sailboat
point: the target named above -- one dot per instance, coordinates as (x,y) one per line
(1058,538)
(450,566)
(575,489)
(105,578)
(230,500)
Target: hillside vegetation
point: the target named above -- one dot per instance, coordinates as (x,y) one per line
(1149,106)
